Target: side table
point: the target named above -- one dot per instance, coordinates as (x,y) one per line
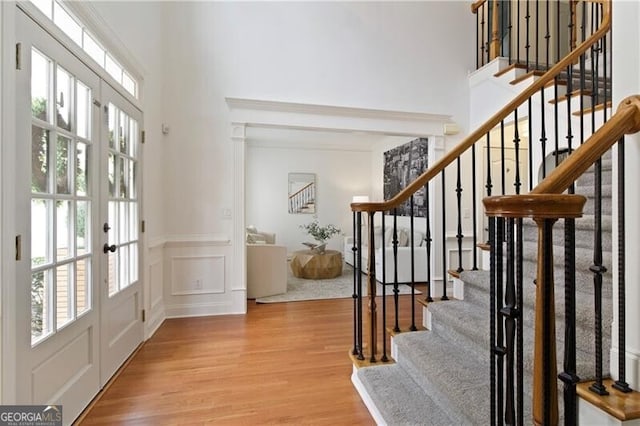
(318,266)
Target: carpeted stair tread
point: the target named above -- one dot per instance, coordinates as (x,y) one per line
(584,232)
(584,258)
(451,321)
(399,399)
(425,356)
(476,292)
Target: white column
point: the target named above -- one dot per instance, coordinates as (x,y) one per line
(626,75)
(239,283)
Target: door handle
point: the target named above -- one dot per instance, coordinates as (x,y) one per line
(109,248)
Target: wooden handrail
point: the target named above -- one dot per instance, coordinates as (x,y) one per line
(477,5)
(480,132)
(626,120)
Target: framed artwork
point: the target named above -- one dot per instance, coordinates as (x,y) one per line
(302,193)
(402,165)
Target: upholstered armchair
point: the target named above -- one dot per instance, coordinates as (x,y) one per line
(266,265)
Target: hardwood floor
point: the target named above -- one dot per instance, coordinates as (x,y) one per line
(282,363)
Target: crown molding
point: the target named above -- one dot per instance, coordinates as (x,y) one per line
(331,110)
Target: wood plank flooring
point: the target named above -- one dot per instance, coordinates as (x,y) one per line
(282,363)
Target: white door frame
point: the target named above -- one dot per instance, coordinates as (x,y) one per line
(245,113)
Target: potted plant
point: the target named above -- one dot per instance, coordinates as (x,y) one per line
(319,233)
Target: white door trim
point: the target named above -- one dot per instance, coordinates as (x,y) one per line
(245,113)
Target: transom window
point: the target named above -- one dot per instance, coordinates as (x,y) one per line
(72,27)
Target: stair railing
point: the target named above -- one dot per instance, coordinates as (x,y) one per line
(431,264)
(527,32)
(545,205)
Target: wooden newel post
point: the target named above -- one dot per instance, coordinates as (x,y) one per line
(371,287)
(545,392)
(545,209)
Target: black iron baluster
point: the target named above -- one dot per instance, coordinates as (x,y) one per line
(354,251)
(477,41)
(489,185)
(598,269)
(459,235)
(499,343)
(358,262)
(569,376)
(621,384)
(444,241)
(527,46)
(557,33)
(519,325)
(493,356)
(510,314)
(371,289)
(394,243)
(569,122)
(556,121)
(537,21)
(474,211)
(482,22)
(516,143)
(543,133)
(529,140)
(547,38)
(384,294)
(413,269)
(583,72)
(503,176)
(427,240)
(509,27)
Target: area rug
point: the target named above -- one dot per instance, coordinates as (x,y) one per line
(338,288)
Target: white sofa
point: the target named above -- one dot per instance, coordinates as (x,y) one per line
(266,265)
(404,254)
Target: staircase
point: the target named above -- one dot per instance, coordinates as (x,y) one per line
(441,375)
(495,353)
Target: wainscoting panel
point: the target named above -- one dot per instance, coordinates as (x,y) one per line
(155,278)
(154,297)
(197,275)
(198,278)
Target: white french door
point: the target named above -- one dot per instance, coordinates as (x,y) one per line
(78,292)
(120,291)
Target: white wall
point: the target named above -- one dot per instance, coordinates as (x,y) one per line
(391,56)
(340,174)
(376,55)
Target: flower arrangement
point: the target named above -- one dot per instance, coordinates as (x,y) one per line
(320,233)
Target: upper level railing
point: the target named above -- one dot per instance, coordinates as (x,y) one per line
(533,34)
(581,80)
